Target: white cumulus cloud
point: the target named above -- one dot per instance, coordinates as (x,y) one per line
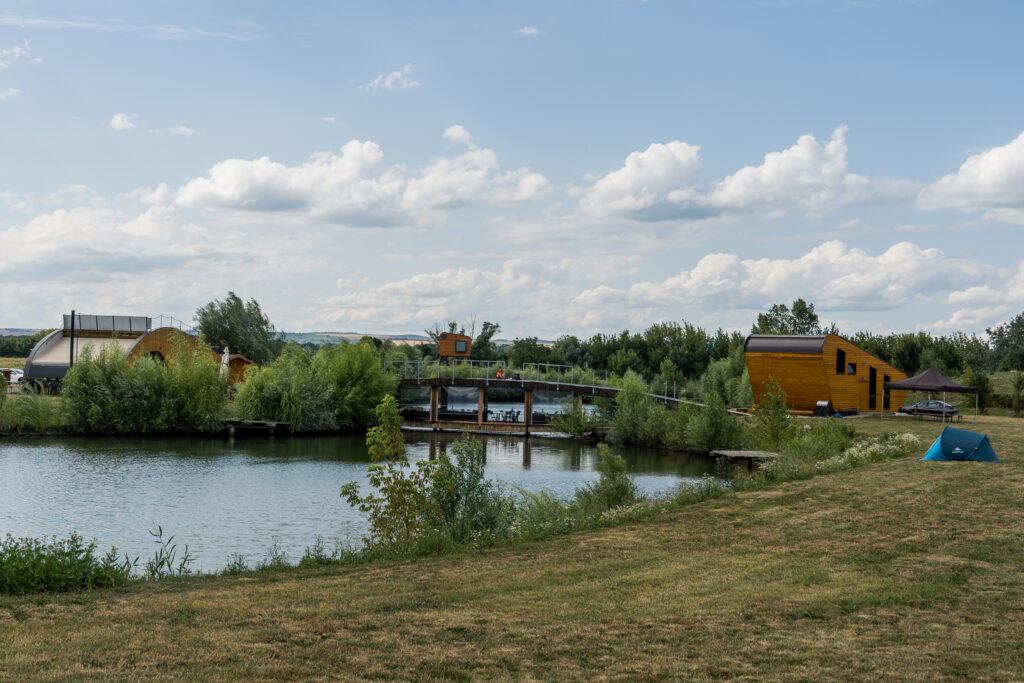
(121,122)
(10,92)
(993,179)
(660,183)
(396,80)
(182,131)
(355,188)
(528,31)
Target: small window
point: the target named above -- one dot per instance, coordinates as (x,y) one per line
(851,368)
(840,361)
(460,346)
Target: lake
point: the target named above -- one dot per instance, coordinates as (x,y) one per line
(224,498)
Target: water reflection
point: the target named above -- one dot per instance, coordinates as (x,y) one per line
(225,497)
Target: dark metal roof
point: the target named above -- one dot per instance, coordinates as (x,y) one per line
(784,343)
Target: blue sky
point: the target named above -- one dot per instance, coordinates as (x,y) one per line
(558,167)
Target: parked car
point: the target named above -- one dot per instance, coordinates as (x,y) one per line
(929,408)
(15,374)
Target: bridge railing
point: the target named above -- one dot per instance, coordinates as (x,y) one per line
(488,370)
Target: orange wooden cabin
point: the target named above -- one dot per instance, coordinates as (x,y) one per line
(451,345)
(160,343)
(821,368)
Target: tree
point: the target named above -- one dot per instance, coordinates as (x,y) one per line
(483,346)
(780,319)
(527,350)
(240,326)
(1007,342)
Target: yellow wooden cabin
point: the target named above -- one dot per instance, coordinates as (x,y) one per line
(821,368)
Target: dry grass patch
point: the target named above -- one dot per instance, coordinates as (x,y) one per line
(900,569)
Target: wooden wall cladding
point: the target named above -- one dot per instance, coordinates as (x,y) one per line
(449,345)
(809,378)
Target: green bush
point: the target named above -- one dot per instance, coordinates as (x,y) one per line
(574,419)
(638,418)
(713,428)
(290,391)
(31,565)
(614,489)
(337,388)
(108,392)
(464,505)
(773,424)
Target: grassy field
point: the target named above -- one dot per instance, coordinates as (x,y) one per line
(18,363)
(900,569)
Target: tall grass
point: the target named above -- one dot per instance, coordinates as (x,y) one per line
(335,388)
(109,393)
(31,411)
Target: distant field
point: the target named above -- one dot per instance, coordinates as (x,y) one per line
(18,363)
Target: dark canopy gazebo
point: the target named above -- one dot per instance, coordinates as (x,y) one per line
(933,380)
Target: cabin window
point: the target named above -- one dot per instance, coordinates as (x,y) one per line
(460,346)
(851,368)
(840,362)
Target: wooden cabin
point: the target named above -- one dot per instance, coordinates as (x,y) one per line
(51,357)
(451,345)
(162,343)
(821,368)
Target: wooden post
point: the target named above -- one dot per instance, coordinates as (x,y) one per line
(579,401)
(528,408)
(433,403)
(481,405)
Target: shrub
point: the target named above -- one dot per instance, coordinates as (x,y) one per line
(337,388)
(396,507)
(464,505)
(773,424)
(712,427)
(574,419)
(638,419)
(289,391)
(31,565)
(110,393)
(614,489)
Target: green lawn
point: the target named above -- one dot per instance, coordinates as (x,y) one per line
(902,569)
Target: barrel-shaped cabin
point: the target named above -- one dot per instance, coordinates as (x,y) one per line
(51,357)
(821,368)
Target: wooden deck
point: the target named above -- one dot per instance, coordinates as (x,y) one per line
(255,428)
(748,456)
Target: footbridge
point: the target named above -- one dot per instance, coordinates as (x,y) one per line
(527,420)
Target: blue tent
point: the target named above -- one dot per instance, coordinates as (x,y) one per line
(960,444)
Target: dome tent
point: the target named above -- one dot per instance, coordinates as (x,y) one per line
(960,444)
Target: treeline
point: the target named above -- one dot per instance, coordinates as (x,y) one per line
(684,351)
(18,345)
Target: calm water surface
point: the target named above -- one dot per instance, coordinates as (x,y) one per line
(225,498)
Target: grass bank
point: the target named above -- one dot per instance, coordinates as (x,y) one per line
(900,568)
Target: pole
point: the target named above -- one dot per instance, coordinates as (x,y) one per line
(71,360)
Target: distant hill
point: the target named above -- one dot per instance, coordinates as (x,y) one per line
(18,331)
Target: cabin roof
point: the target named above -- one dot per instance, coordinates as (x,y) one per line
(784,343)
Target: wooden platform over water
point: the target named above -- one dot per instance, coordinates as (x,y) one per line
(255,428)
(749,456)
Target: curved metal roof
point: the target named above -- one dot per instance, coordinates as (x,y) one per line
(784,343)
